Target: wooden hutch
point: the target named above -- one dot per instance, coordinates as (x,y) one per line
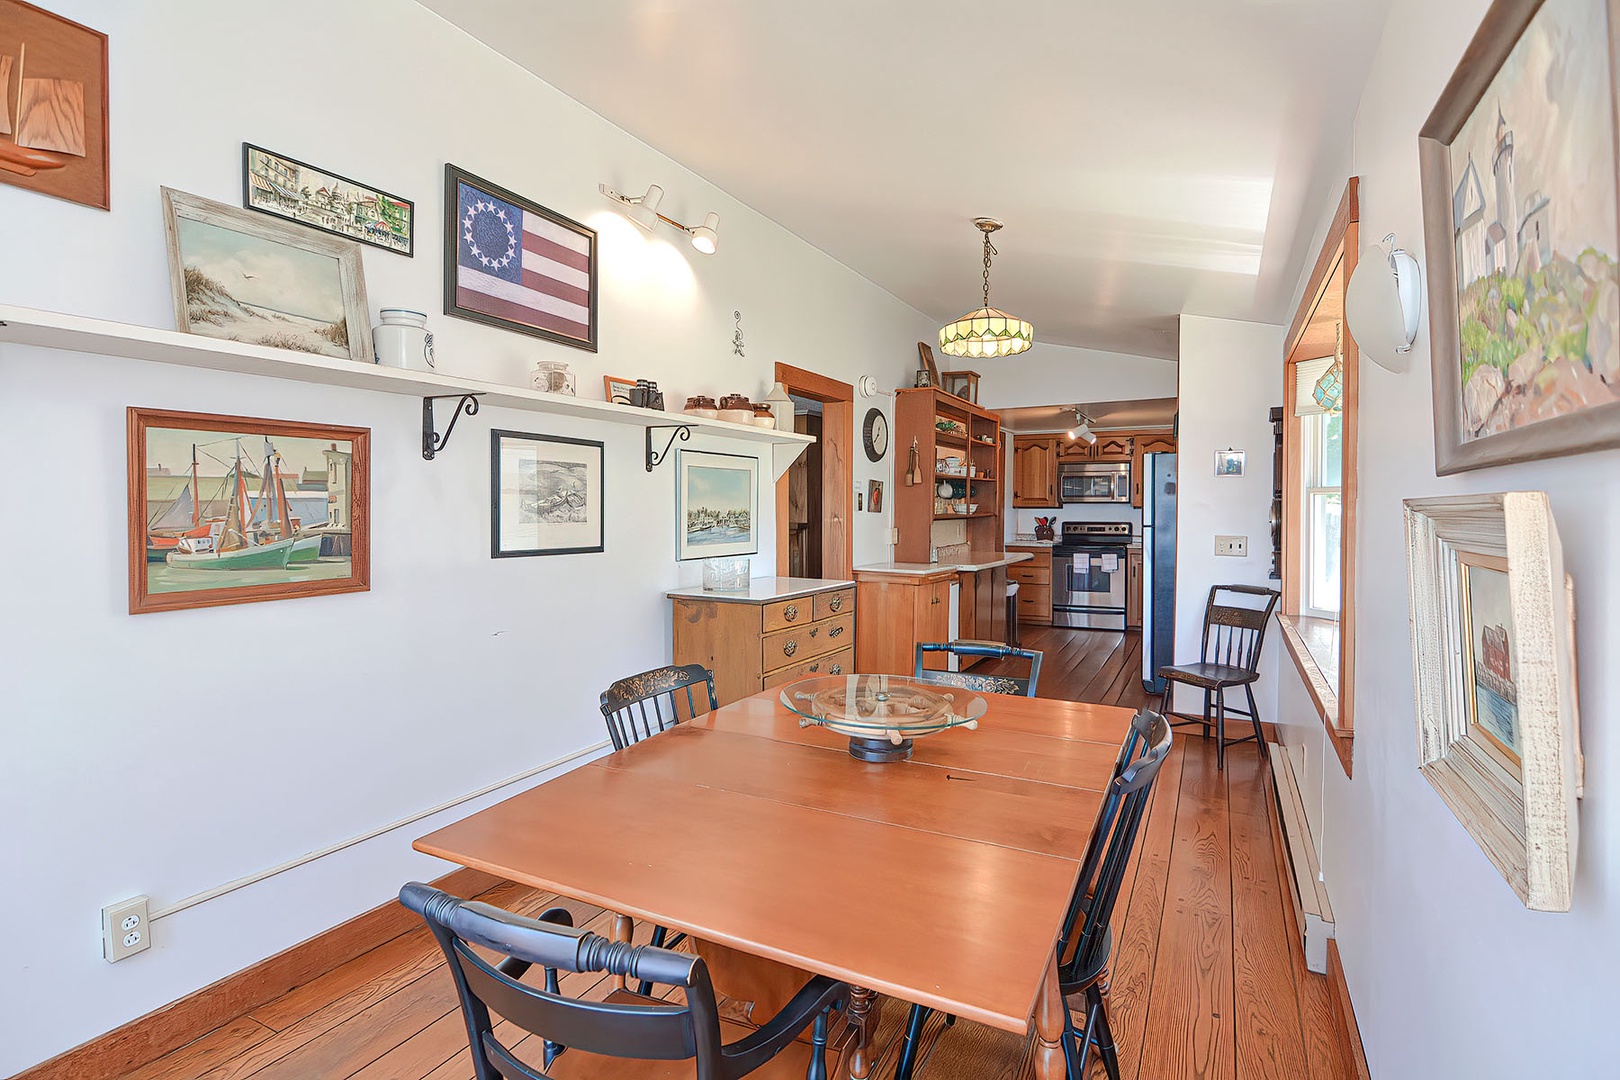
(945,427)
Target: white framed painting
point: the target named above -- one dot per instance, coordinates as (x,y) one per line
(1494,671)
(716,505)
(545,495)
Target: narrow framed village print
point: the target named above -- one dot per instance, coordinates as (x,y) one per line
(285,187)
(236,509)
(53,105)
(545,495)
(1521,221)
(245,277)
(716,504)
(1494,673)
(510,262)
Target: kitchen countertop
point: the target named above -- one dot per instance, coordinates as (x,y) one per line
(978,560)
(763,590)
(1135,543)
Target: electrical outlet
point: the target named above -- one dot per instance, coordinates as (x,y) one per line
(125,930)
(1236,546)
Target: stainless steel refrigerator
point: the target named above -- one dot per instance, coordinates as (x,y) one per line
(1158,567)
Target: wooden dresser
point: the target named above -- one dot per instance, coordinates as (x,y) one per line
(780,630)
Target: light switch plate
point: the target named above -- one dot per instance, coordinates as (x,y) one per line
(1235,546)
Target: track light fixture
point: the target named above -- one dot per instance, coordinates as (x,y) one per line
(1082,429)
(643,210)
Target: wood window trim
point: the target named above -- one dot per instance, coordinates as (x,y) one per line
(1324,301)
(837,472)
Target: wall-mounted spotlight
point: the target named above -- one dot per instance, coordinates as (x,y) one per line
(1082,429)
(643,210)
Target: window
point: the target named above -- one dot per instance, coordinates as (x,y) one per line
(1322,451)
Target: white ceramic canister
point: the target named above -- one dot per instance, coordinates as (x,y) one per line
(403,340)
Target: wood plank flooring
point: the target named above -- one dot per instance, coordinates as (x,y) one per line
(1208,979)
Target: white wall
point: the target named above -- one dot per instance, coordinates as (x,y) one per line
(1450,975)
(1230,380)
(1060,375)
(165,754)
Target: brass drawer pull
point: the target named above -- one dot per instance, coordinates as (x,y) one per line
(790,612)
(935,600)
(835,631)
(816,666)
(836,603)
(814,630)
(789,648)
(838,669)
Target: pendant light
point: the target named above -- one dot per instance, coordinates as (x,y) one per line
(1329,390)
(986,332)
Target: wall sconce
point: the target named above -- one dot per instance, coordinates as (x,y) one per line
(643,210)
(1383,303)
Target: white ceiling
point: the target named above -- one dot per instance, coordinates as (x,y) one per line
(1149,157)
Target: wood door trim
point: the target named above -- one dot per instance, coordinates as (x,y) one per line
(1348,211)
(147,1038)
(837,471)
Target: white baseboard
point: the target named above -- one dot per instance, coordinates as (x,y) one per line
(1312,912)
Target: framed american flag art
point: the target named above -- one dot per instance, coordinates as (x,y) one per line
(510,262)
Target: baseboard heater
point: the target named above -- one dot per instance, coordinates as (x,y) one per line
(1312,913)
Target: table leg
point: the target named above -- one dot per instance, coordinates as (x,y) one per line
(858,1017)
(624,928)
(1049,1027)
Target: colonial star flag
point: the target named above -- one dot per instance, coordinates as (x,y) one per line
(523,269)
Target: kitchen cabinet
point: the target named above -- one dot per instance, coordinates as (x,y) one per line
(1147,442)
(894,612)
(981,612)
(963,459)
(781,629)
(1133,589)
(1035,471)
(1112,446)
(1034,586)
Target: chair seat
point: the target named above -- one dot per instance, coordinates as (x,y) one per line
(1208,675)
(790,1064)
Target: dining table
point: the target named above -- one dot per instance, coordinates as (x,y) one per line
(941,879)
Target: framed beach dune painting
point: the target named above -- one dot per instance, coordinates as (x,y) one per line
(236,509)
(247,277)
(1521,213)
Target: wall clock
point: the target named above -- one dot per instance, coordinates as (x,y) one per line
(875,433)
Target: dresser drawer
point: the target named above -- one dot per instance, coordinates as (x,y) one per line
(799,611)
(837,602)
(1035,602)
(1038,572)
(800,643)
(838,663)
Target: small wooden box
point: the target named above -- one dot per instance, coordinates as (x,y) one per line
(963,384)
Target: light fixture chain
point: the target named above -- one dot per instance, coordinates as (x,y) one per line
(988,250)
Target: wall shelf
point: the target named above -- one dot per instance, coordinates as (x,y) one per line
(76,333)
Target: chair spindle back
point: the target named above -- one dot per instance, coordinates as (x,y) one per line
(984,684)
(643,705)
(1233,634)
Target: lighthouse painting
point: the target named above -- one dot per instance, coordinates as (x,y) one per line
(1534,231)
(1489,666)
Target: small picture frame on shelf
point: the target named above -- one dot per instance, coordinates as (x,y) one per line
(617,390)
(1229,462)
(545,495)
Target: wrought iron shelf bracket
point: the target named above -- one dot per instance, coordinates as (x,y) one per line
(656,458)
(432,441)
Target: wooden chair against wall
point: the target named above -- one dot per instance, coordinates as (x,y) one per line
(984,684)
(1085,942)
(1229,656)
(592,1039)
(625,704)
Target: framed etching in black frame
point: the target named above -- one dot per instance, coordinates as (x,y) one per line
(510,262)
(545,495)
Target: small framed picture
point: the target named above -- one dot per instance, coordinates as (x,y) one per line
(874,496)
(545,495)
(716,504)
(617,390)
(1229,462)
(285,187)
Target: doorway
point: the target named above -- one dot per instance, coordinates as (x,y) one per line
(814,537)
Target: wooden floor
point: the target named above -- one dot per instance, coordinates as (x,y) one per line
(1208,978)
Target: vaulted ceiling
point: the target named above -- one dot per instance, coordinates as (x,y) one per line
(1149,157)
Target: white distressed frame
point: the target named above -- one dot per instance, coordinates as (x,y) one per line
(351,275)
(1525,822)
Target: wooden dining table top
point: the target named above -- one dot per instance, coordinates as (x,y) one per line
(940,880)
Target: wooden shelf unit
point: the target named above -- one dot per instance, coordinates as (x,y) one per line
(914,414)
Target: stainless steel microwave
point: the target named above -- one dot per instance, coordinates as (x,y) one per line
(1094,482)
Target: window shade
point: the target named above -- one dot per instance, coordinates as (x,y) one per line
(1306,375)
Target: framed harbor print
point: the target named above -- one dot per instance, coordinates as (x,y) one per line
(246,277)
(545,495)
(235,509)
(53,105)
(510,262)
(716,504)
(1521,220)
(285,187)
(1494,672)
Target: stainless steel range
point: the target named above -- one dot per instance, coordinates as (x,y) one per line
(1088,574)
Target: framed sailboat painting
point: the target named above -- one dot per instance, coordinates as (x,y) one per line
(234,510)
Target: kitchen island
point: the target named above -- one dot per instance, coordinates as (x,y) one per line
(902,603)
